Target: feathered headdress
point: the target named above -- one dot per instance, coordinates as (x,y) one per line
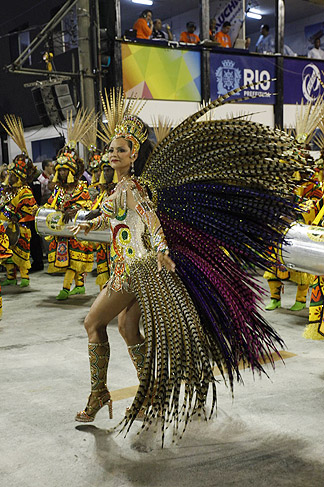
(22,165)
(68,157)
(308,117)
(116,108)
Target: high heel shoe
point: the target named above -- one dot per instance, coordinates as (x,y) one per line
(96,401)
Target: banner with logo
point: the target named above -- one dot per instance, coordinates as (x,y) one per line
(302,80)
(161,73)
(228,72)
(229,11)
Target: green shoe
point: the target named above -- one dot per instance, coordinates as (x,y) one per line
(62,295)
(298,306)
(77,290)
(9,282)
(274,303)
(24,283)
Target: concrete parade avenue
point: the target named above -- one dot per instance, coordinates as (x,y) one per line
(270,435)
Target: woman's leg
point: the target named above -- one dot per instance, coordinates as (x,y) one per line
(128,324)
(103,310)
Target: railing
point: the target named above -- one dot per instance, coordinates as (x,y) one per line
(164,70)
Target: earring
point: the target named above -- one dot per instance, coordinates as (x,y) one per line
(132,170)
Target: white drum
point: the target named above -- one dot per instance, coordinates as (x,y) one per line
(49,222)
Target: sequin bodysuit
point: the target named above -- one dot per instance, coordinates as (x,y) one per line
(134,233)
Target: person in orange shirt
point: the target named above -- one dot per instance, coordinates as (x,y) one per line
(222,36)
(188,36)
(144,25)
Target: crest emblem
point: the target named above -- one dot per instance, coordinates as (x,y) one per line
(228,77)
(311,84)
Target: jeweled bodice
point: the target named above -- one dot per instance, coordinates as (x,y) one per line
(135,232)
(128,244)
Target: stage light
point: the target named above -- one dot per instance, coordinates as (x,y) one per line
(252,15)
(255,10)
(143,2)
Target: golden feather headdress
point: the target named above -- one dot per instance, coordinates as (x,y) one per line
(76,130)
(22,165)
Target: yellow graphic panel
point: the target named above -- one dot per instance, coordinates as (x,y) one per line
(161,74)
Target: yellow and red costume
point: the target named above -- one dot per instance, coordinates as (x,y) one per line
(69,255)
(68,252)
(315,328)
(305,194)
(18,207)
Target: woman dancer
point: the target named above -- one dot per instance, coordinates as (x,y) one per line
(216,216)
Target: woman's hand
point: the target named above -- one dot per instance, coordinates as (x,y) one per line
(84,227)
(164,260)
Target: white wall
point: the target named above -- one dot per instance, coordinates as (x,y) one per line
(33,134)
(177,111)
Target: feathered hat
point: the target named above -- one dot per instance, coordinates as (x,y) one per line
(22,165)
(308,117)
(117,108)
(68,157)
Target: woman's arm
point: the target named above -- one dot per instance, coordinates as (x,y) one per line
(101,222)
(139,201)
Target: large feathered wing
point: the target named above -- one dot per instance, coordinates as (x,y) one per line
(223,191)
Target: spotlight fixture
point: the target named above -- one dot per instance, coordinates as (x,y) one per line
(254,15)
(255,10)
(143,2)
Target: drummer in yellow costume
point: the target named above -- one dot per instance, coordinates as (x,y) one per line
(315,216)
(309,190)
(308,117)
(17,207)
(70,195)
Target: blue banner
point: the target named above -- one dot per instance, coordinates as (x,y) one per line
(230,71)
(302,80)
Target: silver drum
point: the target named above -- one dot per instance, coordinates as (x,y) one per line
(48,222)
(303,249)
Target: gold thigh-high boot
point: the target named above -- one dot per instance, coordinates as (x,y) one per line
(137,354)
(99,354)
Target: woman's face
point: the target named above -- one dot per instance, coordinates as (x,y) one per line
(120,155)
